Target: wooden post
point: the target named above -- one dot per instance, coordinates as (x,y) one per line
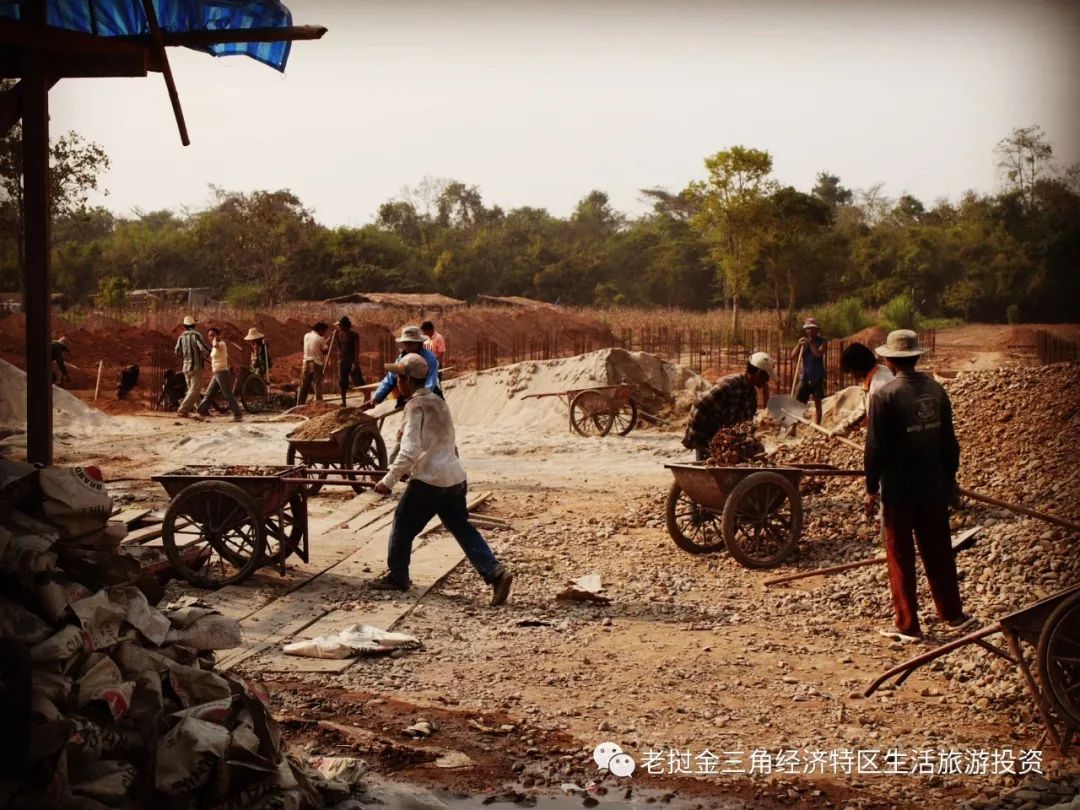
(37,282)
(97,385)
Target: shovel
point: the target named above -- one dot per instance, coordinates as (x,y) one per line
(962,542)
(787,410)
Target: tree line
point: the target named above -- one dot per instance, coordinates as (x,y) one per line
(736,238)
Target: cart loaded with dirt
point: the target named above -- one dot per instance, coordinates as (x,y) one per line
(343,439)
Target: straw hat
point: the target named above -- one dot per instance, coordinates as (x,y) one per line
(762,361)
(901,343)
(411,334)
(189,321)
(411,365)
(811,323)
(254,334)
(63,340)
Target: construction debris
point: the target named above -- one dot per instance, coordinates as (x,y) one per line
(321,427)
(360,639)
(735,444)
(584,589)
(123,707)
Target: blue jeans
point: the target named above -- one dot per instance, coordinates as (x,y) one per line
(420,503)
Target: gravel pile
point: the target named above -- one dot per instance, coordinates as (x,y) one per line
(320,427)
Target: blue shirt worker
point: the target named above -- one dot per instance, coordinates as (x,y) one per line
(411,342)
(437,484)
(812,380)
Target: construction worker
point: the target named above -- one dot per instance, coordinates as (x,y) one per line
(260,363)
(193,350)
(732,400)
(222,376)
(434,343)
(315,351)
(859,361)
(348,343)
(812,381)
(411,342)
(58,349)
(437,484)
(911,459)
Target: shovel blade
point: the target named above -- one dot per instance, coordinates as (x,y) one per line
(781,407)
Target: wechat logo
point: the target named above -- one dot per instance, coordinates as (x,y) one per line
(609,756)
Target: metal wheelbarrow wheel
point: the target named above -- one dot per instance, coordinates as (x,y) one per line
(694,529)
(1059,660)
(624,418)
(762,520)
(254,394)
(288,531)
(213,534)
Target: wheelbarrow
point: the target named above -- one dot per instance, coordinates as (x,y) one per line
(599,410)
(1052,627)
(353,447)
(223,523)
(754,512)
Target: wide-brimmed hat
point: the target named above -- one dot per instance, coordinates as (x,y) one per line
(411,334)
(411,365)
(762,361)
(811,323)
(254,334)
(189,321)
(901,343)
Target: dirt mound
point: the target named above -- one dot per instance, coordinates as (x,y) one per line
(872,336)
(69,412)
(322,426)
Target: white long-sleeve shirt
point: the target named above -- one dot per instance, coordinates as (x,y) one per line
(428,446)
(315,348)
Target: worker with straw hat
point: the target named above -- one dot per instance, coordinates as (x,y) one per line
(411,341)
(260,364)
(193,352)
(911,459)
(811,350)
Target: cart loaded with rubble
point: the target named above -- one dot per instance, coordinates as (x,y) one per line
(224,523)
(756,513)
(346,439)
(1052,627)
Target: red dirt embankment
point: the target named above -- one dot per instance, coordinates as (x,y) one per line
(118,344)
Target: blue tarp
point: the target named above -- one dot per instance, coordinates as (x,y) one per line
(121,18)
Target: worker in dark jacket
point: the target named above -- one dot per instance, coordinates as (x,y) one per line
(911,460)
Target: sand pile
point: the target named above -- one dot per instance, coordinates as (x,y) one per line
(496,397)
(322,426)
(69,412)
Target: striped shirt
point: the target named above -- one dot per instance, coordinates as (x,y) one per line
(193,349)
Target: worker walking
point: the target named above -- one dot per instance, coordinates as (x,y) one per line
(221,379)
(732,400)
(57,350)
(812,380)
(315,351)
(437,484)
(193,351)
(911,459)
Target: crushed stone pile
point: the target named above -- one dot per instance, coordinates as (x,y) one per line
(117,697)
(734,445)
(69,412)
(320,427)
(496,397)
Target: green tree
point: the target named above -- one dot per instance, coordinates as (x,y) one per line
(828,190)
(733,215)
(1023,158)
(795,221)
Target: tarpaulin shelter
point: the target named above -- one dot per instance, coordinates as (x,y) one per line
(44,41)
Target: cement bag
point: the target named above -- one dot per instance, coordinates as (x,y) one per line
(101,680)
(106,780)
(59,646)
(188,755)
(28,554)
(18,623)
(76,502)
(360,639)
(212,631)
(55,596)
(193,686)
(100,618)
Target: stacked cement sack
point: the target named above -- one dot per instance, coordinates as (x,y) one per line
(108,701)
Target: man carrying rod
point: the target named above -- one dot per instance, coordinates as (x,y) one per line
(732,400)
(911,458)
(437,484)
(411,342)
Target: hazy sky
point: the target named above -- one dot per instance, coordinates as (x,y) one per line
(539,102)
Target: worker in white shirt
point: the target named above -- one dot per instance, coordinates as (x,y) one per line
(222,376)
(315,352)
(436,485)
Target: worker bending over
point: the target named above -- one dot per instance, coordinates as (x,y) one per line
(732,400)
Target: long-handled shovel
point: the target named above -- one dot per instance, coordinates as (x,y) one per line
(962,542)
(786,410)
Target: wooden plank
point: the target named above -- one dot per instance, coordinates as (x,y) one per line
(430,564)
(129,516)
(303,606)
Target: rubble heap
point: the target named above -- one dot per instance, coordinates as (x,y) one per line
(109,701)
(735,444)
(320,427)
